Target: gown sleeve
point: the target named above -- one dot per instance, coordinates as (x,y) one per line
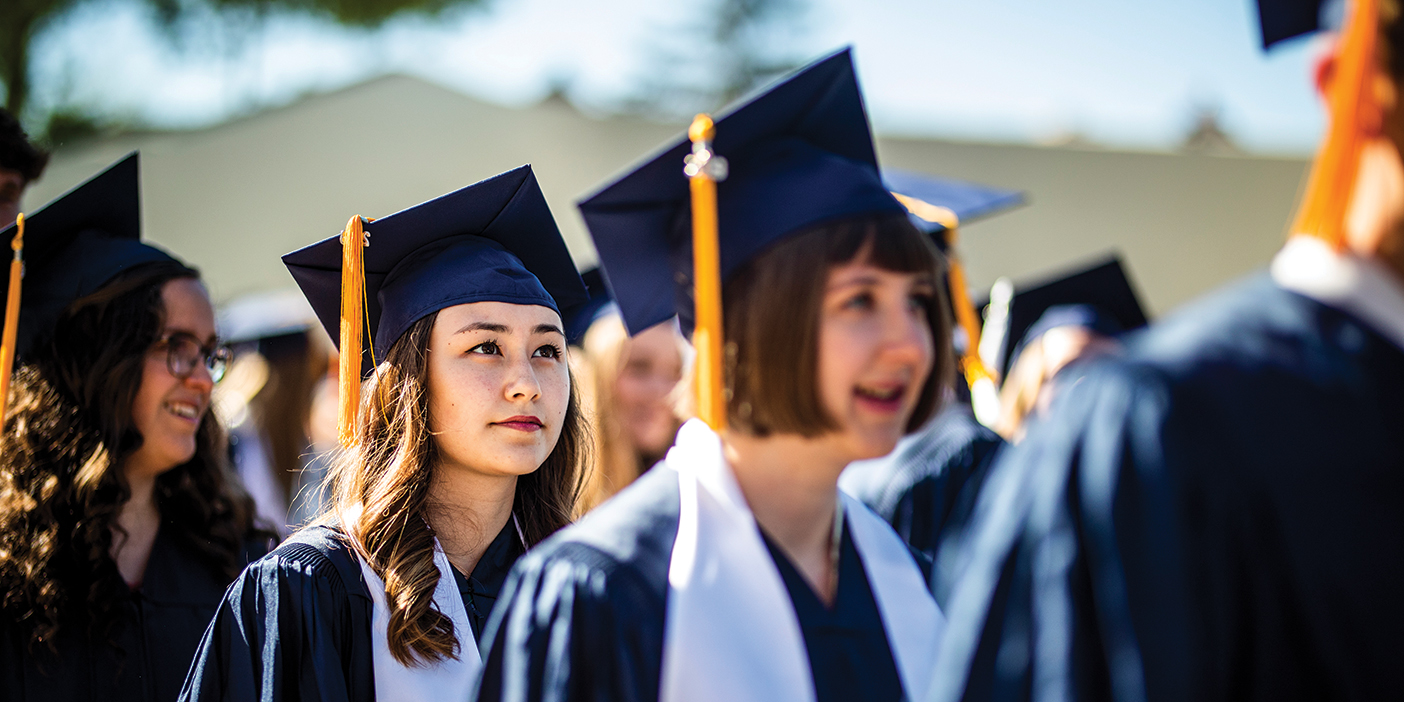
(1073,584)
(287,629)
(575,627)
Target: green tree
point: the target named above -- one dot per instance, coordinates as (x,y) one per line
(23,20)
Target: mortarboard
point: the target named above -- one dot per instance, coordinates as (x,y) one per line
(798,153)
(265,315)
(932,201)
(492,241)
(76,243)
(1281,20)
(579,320)
(1099,296)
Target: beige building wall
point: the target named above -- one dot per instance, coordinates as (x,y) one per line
(232,198)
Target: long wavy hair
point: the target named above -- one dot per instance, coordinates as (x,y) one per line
(380,493)
(69,430)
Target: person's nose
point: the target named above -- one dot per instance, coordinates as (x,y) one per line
(522,383)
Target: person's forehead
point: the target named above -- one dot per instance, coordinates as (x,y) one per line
(503,313)
(188,307)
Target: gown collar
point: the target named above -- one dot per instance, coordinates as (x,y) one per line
(1358,285)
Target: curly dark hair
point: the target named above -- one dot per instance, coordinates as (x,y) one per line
(16,151)
(69,430)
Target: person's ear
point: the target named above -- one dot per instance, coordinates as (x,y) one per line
(1323,73)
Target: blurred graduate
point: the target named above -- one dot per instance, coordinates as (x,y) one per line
(462,452)
(1218,513)
(120,522)
(736,570)
(631,385)
(926,488)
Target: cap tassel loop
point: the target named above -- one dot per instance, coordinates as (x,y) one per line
(353,283)
(1329,188)
(8,338)
(704,169)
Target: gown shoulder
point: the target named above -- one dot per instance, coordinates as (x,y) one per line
(294,625)
(581,615)
(1154,536)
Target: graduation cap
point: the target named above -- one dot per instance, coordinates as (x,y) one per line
(798,153)
(1099,296)
(67,249)
(1321,212)
(579,320)
(937,205)
(1281,20)
(492,241)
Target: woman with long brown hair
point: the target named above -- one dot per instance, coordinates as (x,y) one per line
(119,524)
(465,452)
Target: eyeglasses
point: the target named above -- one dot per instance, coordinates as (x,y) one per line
(184,352)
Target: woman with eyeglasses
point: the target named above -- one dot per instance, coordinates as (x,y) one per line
(119,525)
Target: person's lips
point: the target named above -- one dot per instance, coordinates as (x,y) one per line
(521,422)
(881,397)
(184,409)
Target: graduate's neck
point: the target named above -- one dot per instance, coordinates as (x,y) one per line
(791,485)
(467,510)
(138,520)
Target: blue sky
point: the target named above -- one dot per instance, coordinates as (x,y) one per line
(1127,73)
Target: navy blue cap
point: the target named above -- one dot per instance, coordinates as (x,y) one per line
(601,301)
(1099,296)
(1281,20)
(491,241)
(969,202)
(75,244)
(800,153)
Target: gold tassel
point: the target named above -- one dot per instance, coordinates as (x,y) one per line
(704,169)
(353,283)
(1327,195)
(12,307)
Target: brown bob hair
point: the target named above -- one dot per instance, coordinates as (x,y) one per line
(772,350)
(380,490)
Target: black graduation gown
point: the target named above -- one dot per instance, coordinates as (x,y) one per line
(1220,515)
(926,490)
(151,646)
(582,615)
(296,625)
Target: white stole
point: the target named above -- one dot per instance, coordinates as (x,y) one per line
(731,631)
(448,679)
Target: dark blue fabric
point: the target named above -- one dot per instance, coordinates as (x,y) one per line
(1102,285)
(582,614)
(1281,20)
(800,153)
(927,489)
(491,241)
(482,588)
(74,244)
(1214,517)
(849,655)
(296,625)
(147,654)
(969,202)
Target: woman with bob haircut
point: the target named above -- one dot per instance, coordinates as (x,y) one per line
(465,453)
(736,570)
(120,526)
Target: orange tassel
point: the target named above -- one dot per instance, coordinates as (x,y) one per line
(353,283)
(8,339)
(704,170)
(1329,188)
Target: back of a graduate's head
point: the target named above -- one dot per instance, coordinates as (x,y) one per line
(772,316)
